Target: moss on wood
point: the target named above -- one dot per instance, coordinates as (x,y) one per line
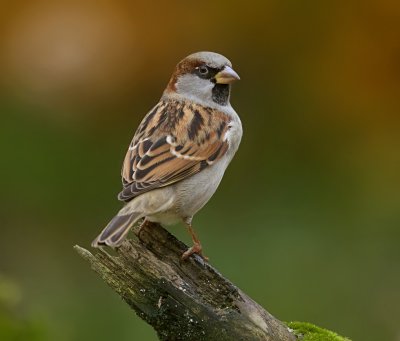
(305,331)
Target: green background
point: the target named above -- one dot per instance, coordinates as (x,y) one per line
(306,220)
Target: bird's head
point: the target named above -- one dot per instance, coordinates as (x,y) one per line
(202,77)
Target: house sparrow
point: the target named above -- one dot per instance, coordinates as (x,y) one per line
(180,151)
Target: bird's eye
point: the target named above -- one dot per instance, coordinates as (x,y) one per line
(203,70)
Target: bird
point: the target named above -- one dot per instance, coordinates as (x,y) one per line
(180,151)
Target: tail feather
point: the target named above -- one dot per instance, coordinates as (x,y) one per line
(116,230)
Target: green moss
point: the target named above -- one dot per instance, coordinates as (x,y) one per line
(305,331)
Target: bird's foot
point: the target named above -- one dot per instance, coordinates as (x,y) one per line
(196,248)
(141,227)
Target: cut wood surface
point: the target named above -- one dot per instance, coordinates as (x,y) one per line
(182,300)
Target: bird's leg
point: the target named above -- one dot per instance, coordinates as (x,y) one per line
(142,226)
(196,248)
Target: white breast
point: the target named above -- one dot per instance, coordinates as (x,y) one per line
(195,191)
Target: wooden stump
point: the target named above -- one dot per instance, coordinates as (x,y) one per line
(182,300)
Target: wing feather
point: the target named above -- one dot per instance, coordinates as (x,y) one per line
(173,142)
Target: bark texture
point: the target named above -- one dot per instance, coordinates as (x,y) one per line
(182,300)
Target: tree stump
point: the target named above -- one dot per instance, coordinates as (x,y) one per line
(182,300)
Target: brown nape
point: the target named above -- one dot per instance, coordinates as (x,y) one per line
(184,67)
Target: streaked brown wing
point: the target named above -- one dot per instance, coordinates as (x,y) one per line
(174,141)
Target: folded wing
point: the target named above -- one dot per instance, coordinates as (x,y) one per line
(173,142)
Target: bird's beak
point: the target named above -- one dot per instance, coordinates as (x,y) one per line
(226,76)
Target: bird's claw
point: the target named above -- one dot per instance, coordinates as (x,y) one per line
(196,248)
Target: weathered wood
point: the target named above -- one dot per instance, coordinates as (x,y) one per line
(182,300)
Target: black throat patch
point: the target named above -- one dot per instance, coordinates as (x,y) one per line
(220,93)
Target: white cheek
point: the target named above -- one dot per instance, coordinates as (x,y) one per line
(194,87)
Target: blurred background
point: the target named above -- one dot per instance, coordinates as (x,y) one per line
(306,220)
